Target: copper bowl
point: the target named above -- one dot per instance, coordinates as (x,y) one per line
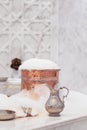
(35,77)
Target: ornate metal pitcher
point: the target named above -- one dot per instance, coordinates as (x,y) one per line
(54,104)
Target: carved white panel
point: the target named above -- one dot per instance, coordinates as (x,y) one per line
(28,28)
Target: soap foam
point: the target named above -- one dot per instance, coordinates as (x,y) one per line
(38,64)
(24,99)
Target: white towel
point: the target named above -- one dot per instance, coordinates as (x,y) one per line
(35,100)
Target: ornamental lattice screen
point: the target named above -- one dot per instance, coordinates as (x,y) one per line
(28,28)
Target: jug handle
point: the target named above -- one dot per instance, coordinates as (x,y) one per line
(66,93)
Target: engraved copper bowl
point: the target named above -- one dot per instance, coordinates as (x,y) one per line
(34,77)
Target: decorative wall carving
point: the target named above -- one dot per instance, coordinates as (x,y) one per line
(28,28)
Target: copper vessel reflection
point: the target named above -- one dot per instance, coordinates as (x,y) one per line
(35,77)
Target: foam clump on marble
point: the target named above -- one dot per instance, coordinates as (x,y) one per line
(38,64)
(26,99)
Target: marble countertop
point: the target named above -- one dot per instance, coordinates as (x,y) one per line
(75,111)
(43,122)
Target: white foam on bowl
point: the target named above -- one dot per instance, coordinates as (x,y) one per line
(38,64)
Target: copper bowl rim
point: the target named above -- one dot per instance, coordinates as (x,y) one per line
(41,70)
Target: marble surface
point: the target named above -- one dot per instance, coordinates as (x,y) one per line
(73,44)
(73,117)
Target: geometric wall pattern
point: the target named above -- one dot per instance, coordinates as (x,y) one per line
(28,28)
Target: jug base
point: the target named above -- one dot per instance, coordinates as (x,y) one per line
(54,114)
